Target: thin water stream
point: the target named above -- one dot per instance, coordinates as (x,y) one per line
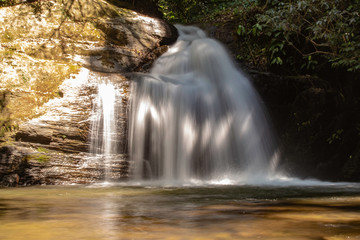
(329,212)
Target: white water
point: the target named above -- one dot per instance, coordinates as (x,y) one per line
(196,117)
(103,126)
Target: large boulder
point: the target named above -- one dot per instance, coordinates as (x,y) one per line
(53,54)
(92,33)
(44,42)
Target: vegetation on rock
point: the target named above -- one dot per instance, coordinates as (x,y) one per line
(59,49)
(43,42)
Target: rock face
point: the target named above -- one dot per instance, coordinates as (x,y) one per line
(53,148)
(54,53)
(317,125)
(92,33)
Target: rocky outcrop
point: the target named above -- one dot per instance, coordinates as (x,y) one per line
(53,148)
(92,33)
(64,122)
(25,166)
(44,42)
(54,53)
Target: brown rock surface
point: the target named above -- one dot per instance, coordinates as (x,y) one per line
(53,54)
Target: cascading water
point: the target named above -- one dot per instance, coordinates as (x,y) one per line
(197,117)
(104,135)
(103,129)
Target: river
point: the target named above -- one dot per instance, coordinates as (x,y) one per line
(328,212)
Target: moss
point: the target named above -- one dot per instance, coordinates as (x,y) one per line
(7,36)
(2,131)
(6,126)
(83,31)
(56,32)
(41,149)
(38,157)
(44,84)
(6,54)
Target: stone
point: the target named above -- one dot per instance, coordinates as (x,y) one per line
(53,54)
(42,43)
(53,148)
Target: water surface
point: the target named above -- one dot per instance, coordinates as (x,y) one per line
(212,212)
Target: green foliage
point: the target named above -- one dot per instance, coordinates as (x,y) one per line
(298,36)
(3,3)
(180,11)
(306,34)
(38,157)
(41,149)
(316,31)
(190,11)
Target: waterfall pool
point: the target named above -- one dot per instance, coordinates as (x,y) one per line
(328,212)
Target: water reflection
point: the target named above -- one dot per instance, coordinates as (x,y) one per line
(180,213)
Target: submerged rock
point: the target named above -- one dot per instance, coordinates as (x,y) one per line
(53,54)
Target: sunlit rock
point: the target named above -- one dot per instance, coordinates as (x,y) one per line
(51,53)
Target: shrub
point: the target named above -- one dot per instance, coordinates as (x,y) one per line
(297,36)
(309,33)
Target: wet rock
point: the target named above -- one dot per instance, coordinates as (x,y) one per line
(20,166)
(36,135)
(43,42)
(53,54)
(12,165)
(53,148)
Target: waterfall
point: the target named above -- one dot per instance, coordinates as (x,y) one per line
(104,137)
(103,130)
(196,117)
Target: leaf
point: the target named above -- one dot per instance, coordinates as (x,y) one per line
(277,61)
(241,30)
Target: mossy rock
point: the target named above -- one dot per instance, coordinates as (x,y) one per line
(43,43)
(52,54)
(38,157)
(63,30)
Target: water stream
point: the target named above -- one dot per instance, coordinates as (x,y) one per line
(107,129)
(196,117)
(103,130)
